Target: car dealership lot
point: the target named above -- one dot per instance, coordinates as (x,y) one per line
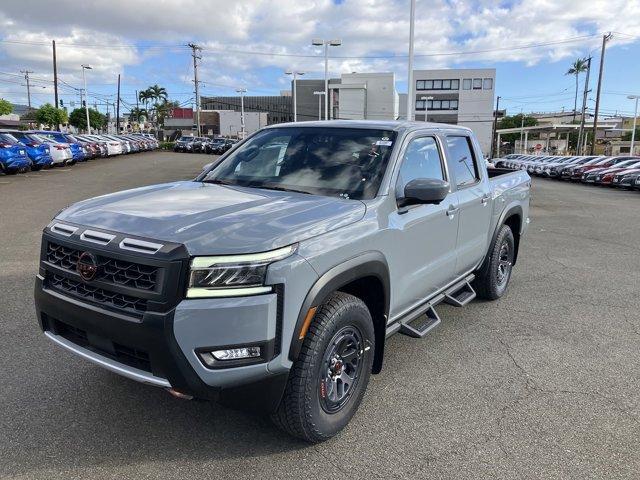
(540,384)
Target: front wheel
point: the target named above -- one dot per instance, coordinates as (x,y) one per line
(328,380)
(493,277)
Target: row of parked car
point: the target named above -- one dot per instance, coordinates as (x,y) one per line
(215,146)
(21,151)
(618,171)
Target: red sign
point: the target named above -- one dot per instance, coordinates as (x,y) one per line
(181,113)
(539,146)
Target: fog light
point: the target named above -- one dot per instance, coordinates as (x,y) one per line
(212,358)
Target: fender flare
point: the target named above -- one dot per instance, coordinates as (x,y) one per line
(369,264)
(513,209)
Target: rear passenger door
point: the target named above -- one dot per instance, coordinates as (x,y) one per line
(422,246)
(474,200)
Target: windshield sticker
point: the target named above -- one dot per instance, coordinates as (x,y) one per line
(384,143)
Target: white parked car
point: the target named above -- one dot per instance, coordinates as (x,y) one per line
(60,152)
(113,147)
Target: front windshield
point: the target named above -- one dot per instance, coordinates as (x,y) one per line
(345,162)
(185,139)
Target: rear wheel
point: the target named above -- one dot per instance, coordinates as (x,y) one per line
(328,380)
(493,277)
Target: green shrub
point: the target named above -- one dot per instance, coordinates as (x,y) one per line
(167,145)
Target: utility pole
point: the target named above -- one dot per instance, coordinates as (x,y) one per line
(26,77)
(242,91)
(118,108)
(86,96)
(633,129)
(521,131)
(579,147)
(495,127)
(55,73)
(605,39)
(194,52)
(410,86)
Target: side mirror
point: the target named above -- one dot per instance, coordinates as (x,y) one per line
(425,190)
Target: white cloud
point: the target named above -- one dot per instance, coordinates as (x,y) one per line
(367,28)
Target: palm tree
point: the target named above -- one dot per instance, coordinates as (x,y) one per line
(157,92)
(577,67)
(137,113)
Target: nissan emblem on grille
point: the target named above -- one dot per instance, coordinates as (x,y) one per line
(87,266)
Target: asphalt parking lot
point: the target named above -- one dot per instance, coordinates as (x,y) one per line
(542,384)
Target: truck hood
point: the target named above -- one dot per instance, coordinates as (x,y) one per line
(215,219)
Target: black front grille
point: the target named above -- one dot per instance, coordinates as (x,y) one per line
(97,295)
(111,270)
(134,357)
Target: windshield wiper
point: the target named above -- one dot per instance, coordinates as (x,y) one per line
(219,182)
(280,189)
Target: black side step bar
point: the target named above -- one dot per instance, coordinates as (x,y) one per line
(461,296)
(420,326)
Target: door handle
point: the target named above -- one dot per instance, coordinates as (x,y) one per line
(484,200)
(451,211)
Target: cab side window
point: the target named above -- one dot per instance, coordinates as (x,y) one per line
(462,160)
(422,159)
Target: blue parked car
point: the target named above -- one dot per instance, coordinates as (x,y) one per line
(37,150)
(13,155)
(76,149)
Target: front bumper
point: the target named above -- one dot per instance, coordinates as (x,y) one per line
(160,349)
(159,345)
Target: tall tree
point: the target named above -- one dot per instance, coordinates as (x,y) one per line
(157,92)
(49,115)
(5,107)
(577,67)
(78,118)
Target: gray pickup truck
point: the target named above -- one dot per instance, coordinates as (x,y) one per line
(273,279)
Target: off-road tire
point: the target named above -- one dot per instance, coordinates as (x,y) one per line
(487,283)
(300,412)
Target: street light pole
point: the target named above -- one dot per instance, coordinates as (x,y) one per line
(295,92)
(410,86)
(635,116)
(319,94)
(86,97)
(326,43)
(242,91)
(426,107)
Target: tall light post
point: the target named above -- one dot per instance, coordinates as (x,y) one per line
(241,91)
(86,97)
(426,107)
(295,92)
(319,94)
(410,86)
(635,116)
(326,43)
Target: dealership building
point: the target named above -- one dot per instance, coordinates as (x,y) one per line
(457,96)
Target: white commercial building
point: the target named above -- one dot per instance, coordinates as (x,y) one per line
(365,96)
(457,96)
(230,122)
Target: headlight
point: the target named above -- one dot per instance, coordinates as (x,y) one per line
(233,275)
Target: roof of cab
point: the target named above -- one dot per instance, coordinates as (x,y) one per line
(395,125)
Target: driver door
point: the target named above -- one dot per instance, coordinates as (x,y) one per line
(424,236)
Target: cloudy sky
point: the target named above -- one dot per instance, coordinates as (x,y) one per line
(249,43)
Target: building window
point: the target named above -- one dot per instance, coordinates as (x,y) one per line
(487,84)
(466,84)
(420,104)
(438,84)
(477,84)
(440,104)
(453,104)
